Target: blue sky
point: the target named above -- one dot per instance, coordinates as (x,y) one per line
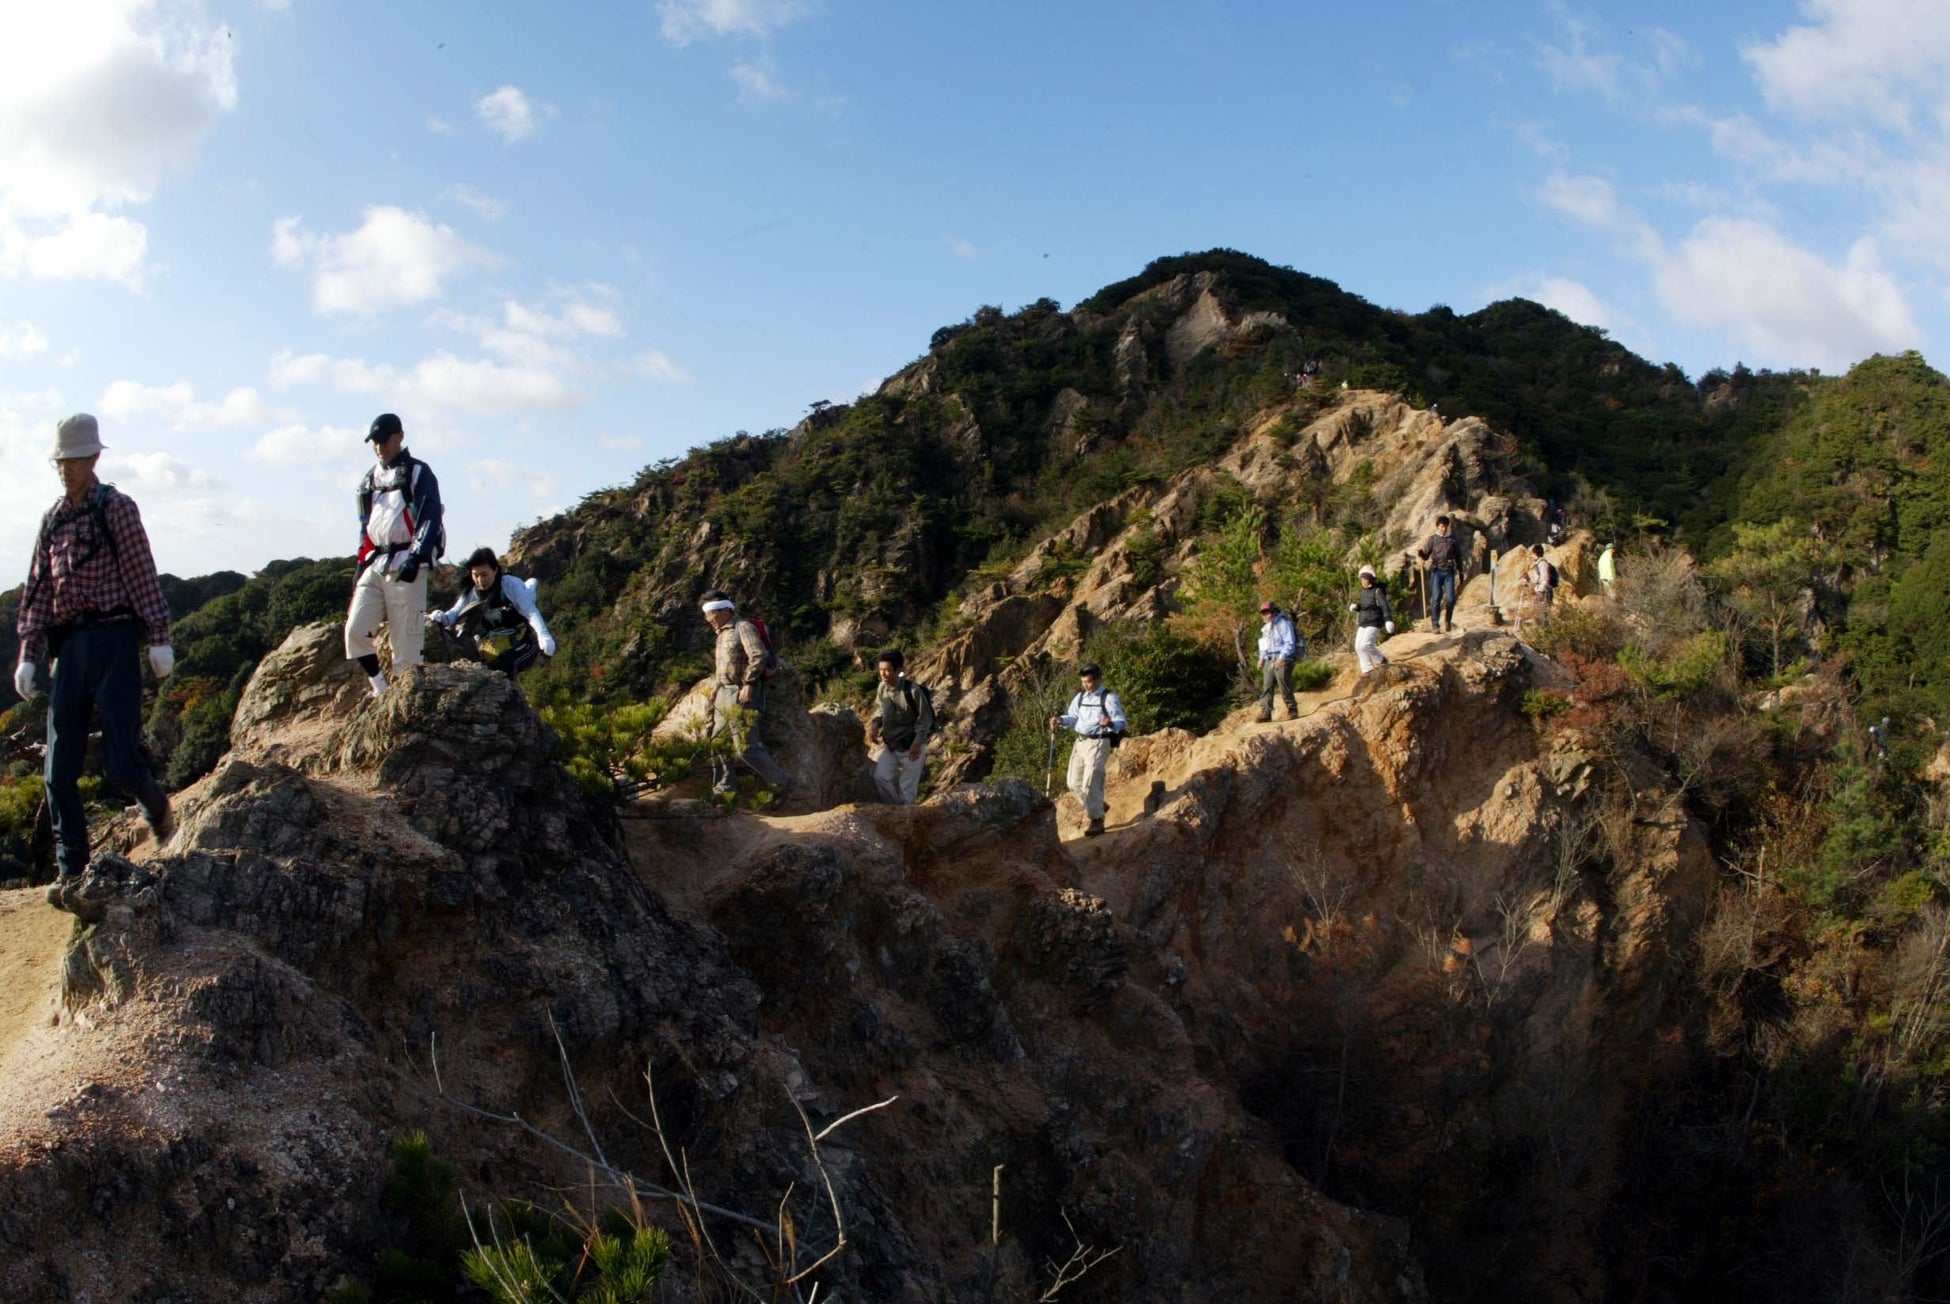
(563,241)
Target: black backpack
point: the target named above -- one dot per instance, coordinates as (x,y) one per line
(916,694)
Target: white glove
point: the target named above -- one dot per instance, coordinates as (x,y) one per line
(1389,626)
(1354,606)
(548,645)
(24,679)
(162,660)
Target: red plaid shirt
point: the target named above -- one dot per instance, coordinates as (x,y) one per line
(74,571)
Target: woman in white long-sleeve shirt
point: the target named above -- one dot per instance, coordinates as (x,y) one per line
(496,617)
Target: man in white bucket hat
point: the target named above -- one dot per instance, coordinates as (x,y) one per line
(92,600)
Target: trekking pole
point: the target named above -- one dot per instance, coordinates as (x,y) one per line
(1049,770)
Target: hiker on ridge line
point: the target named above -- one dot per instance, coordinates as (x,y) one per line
(1542,579)
(1443,553)
(496,618)
(401,534)
(1372,615)
(903,717)
(741,662)
(1097,714)
(1279,644)
(91,593)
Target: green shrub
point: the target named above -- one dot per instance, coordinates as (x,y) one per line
(1310,676)
(1540,704)
(1900,900)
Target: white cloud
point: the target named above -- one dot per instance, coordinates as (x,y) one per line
(100,100)
(507,113)
(1589,199)
(309,444)
(655,365)
(21,340)
(1783,301)
(963,249)
(90,246)
(1575,65)
(479,386)
(685,21)
(494,476)
(485,207)
(1878,57)
(394,259)
(136,472)
(441,127)
(758,81)
(178,406)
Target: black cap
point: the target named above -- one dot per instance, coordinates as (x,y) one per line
(384,426)
(1090,669)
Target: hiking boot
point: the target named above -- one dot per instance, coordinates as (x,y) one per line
(1263,718)
(161,823)
(57,891)
(1096,829)
(1292,712)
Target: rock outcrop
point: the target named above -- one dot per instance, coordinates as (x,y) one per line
(254,1010)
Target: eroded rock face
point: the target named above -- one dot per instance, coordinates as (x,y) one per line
(258,1011)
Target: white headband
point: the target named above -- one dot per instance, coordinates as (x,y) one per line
(719,604)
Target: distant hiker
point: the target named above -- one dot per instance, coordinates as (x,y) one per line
(496,619)
(91,593)
(401,533)
(1097,715)
(903,717)
(1372,615)
(742,663)
(1607,569)
(1542,578)
(1279,644)
(1443,553)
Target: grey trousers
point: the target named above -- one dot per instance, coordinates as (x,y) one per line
(740,724)
(1276,675)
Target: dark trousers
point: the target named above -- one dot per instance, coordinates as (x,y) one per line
(1275,674)
(1442,597)
(99,669)
(518,658)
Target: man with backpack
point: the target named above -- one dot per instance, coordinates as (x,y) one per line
(1097,714)
(1542,577)
(496,619)
(742,661)
(903,718)
(1279,644)
(91,593)
(401,534)
(1443,553)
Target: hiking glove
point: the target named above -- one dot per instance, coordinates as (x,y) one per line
(548,645)
(24,679)
(1389,625)
(1354,606)
(162,659)
(411,571)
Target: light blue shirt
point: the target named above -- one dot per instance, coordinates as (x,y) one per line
(1278,640)
(1087,711)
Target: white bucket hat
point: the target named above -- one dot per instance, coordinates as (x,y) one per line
(1367,571)
(77,436)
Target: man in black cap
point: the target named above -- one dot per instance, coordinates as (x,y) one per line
(401,535)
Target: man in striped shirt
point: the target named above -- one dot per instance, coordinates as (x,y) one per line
(92,593)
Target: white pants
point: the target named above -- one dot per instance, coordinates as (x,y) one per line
(1087,761)
(399,605)
(1367,648)
(897,778)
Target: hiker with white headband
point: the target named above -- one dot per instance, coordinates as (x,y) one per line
(743,661)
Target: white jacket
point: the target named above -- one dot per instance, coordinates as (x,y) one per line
(520,594)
